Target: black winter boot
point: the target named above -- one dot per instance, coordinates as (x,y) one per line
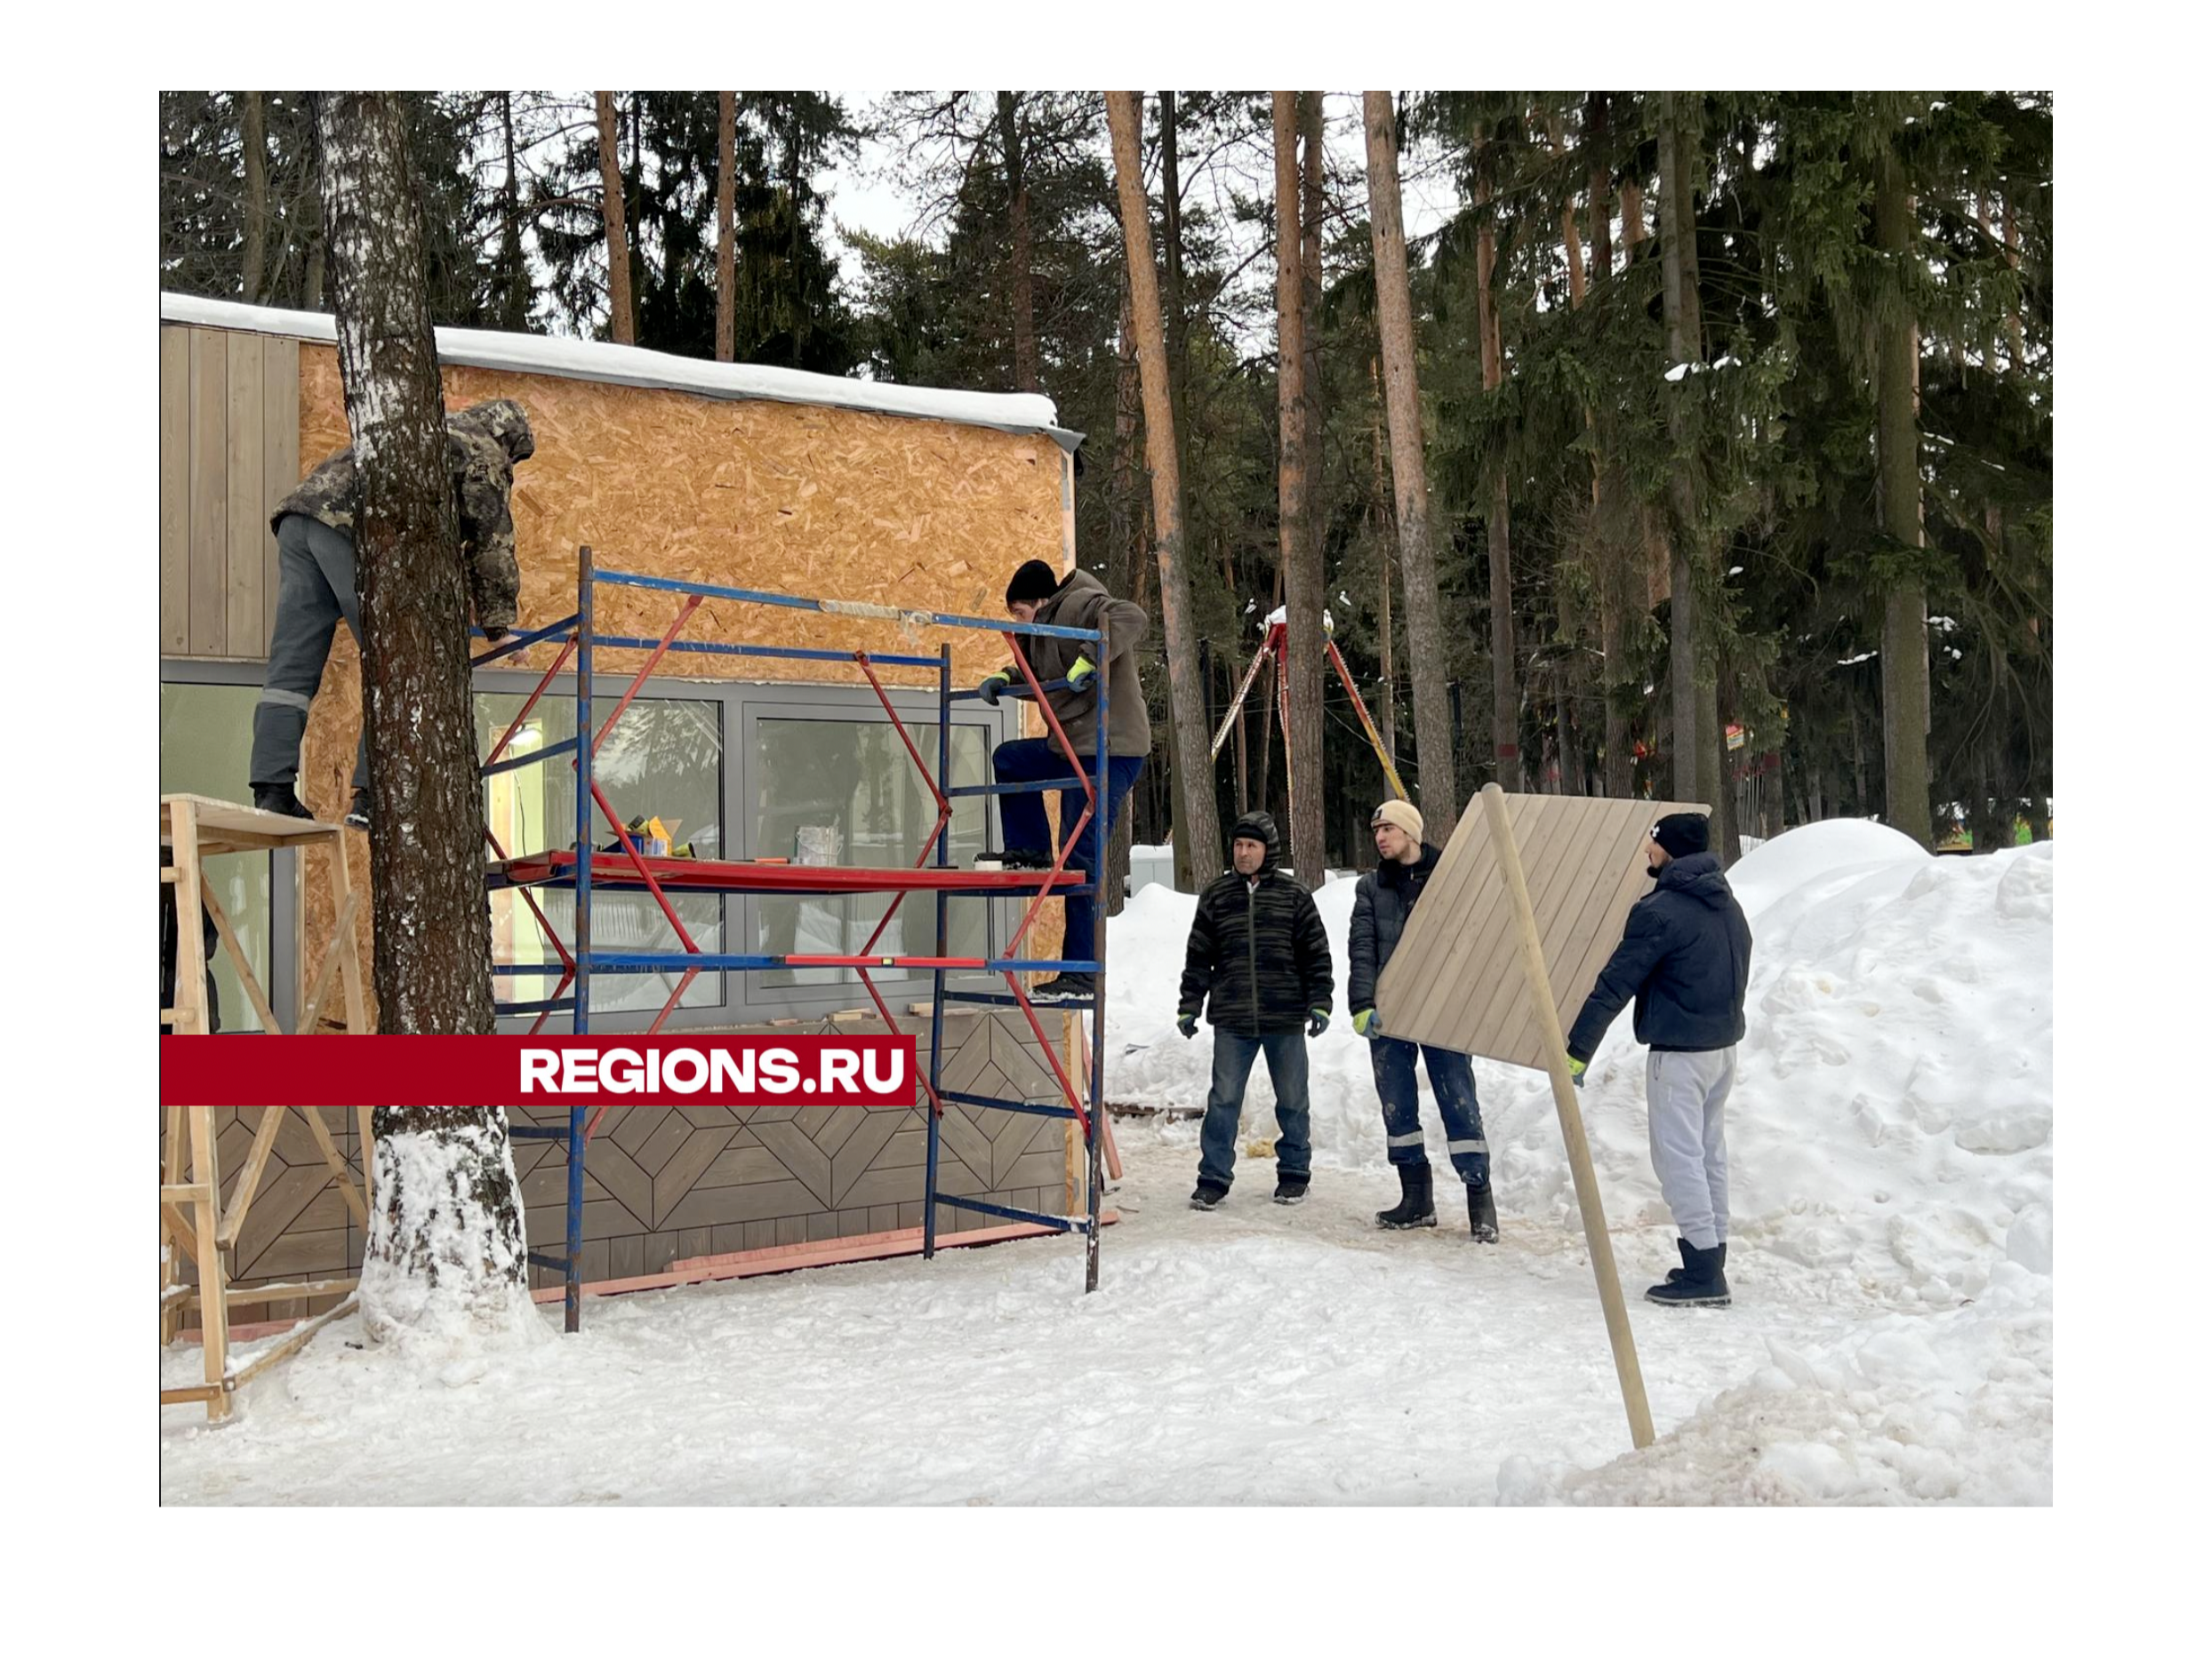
(1209,1196)
(1700,1280)
(1675,1274)
(1416,1201)
(357,813)
(1289,1191)
(1482,1211)
(281,801)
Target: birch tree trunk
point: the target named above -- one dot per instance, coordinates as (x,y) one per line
(726,233)
(1302,574)
(622,315)
(1898,460)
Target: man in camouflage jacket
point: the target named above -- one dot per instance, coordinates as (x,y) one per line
(316,589)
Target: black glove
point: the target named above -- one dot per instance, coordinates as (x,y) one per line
(990,688)
(1316,1020)
(1187,1024)
(492,634)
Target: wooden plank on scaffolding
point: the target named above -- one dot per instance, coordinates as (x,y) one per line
(246,979)
(188,987)
(268,1293)
(209,1393)
(338,949)
(249,1175)
(338,1168)
(173,1254)
(214,1317)
(350,962)
(292,1344)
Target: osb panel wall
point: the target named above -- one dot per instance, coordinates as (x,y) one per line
(770,496)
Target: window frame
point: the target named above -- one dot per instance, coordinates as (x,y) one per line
(742,702)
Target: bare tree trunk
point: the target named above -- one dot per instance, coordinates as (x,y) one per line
(2013,332)
(1424,626)
(445,1252)
(1022,286)
(1498,521)
(1302,574)
(1898,460)
(726,233)
(1679,297)
(1570,232)
(1386,713)
(621,317)
(1171,257)
(1609,488)
(514,271)
(1311,206)
(254,141)
(1199,832)
(1124,548)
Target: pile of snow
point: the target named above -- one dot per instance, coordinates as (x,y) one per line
(1892,1114)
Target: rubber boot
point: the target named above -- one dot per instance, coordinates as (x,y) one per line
(1482,1211)
(1675,1274)
(1701,1281)
(1416,1201)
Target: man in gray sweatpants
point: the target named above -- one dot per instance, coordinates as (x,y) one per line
(316,590)
(1686,957)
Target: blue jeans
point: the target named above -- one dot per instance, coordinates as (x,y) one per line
(1022,819)
(1233,1056)
(1453,1080)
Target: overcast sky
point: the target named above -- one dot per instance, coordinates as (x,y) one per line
(862,196)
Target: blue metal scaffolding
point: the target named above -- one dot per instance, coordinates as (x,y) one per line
(581,870)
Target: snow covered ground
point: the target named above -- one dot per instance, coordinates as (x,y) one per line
(1891,1339)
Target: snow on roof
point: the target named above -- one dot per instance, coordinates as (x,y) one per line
(628,364)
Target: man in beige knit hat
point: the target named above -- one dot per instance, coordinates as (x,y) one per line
(1380,909)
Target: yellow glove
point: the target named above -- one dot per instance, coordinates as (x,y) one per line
(1081,670)
(991,688)
(1576,1068)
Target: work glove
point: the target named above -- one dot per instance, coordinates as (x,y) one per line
(1366,1025)
(1081,672)
(1187,1025)
(1316,1020)
(990,688)
(1576,1068)
(492,634)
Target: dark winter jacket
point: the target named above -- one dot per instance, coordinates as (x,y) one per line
(1258,959)
(1685,956)
(1079,600)
(1380,908)
(483,445)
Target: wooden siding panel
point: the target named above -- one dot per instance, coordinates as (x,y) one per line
(211,500)
(280,455)
(176,491)
(245,592)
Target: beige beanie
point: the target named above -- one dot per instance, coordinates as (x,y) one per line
(1399,814)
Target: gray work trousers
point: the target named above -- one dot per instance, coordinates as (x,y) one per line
(314,590)
(1687,1093)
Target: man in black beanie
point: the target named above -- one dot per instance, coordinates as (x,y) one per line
(1040,594)
(1686,957)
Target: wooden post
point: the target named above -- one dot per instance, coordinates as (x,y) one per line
(1539,981)
(214,1306)
(349,959)
(172,1260)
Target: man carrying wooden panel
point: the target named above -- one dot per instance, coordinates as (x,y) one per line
(1685,956)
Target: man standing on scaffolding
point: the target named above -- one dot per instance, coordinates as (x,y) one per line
(1039,595)
(316,589)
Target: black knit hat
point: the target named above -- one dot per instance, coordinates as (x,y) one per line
(1682,834)
(1033,583)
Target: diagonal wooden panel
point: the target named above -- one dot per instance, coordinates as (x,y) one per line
(1014,1052)
(682,1169)
(1456,978)
(622,1178)
(801,1156)
(960,1140)
(874,1131)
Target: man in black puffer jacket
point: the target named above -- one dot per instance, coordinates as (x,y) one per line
(1258,965)
(1685,955)
(1380,909)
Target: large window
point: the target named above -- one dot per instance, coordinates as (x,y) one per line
(821,787)
(663,758)
(206,734)
(738,771)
